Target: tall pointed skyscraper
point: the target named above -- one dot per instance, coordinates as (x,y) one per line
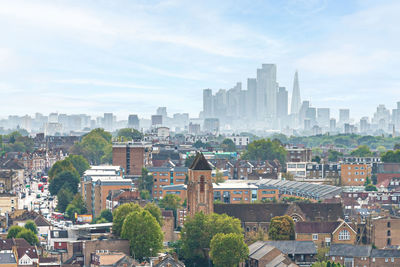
(296,100)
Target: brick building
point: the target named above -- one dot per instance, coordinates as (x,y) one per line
(132,156)
(387,171)
(165,176)
(323,234)
(385,232)
(355,174)
(298,154)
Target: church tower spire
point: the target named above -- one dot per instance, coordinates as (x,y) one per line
(200,193)
(296,100)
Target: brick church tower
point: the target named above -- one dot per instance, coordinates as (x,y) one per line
(200,193)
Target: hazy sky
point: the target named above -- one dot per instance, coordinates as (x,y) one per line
(132,56)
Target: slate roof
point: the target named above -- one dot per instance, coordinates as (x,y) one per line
(266,211)
(385,253)
(7,258)
(294,247)
(7,244)
(169,261)
(41,221)
(350,250)
(316,227)
(30,251)
(200,163)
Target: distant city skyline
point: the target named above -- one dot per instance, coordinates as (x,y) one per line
(129,57)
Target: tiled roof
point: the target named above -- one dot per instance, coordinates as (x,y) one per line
(200,163)
(350,250)
(7,258)
(316,227)
(294,247)
(385,253)
(30,251)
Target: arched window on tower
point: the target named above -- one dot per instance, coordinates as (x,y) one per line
(202,183)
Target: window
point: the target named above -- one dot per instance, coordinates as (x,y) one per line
(388,224)
(392,259)
(202,184)
(373,259)
(344,235)
(389,242)
(388,233)
(315,237)
(333,258)
(386,260)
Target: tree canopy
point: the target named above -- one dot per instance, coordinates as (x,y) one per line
(129,134)
(31,225)
(64,197)
(391,156)
(77,206)
(119,215)
(198,231)
(228,249)
(95,146)
(361,151)
(144,234)
(146,181)
(66,179)
(281,228)
(228,145)
(170,202)
(13,231)
(29,236)
(155,211)
(265,150)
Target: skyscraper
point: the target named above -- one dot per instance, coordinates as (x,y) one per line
(282,103)
(266,91)
(207,103)
(344,116)
(296,100)
(108,122)
(133,121)
(323,116)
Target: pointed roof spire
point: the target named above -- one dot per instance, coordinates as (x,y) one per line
(200,163)
(296,100)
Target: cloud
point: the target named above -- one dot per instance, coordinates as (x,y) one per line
(107,84)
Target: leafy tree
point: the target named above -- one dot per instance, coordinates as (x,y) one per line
(288,176)
(30,225)
(361,151)
(106,214)
(64,197)
(321,254)
(129,134)
(281,228)
(65,179)
(170,202)
(79,163)
(219,177)
(317,151)
(144,234)
(198,231)
(61,166)
(316,159)
(155,211)
(29,236)
(119,215)
(367,181)
(14,231)
(396,146)
(228,145)
(228,249)
(145,194)
(371,187)
(95,147)
(391,156)
(266,150)
(334,155)
(199,144)
(146,181)
(77,206)
(381,149)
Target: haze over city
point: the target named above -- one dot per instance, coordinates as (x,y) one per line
(133,56)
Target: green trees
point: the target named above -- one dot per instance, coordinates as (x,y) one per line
(370,187)
(361,151)
(79,163)
(28,232)
(77,206)
(30,225)
(119,215)
(29,236)
(104,217)
(199,230)
(281,228)
(13,231)
(189,160)
(266,150)
(143,232)
(391,156)
(65,179)
(170,202)
(17,142)
(96,147)
(228,145)
(155,211)
(129,134)
(334,155)
(60,166)
(146,181)
(228,249)
(326,264)
(132,222)
(64,197)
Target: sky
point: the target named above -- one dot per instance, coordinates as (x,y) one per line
(129,57)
